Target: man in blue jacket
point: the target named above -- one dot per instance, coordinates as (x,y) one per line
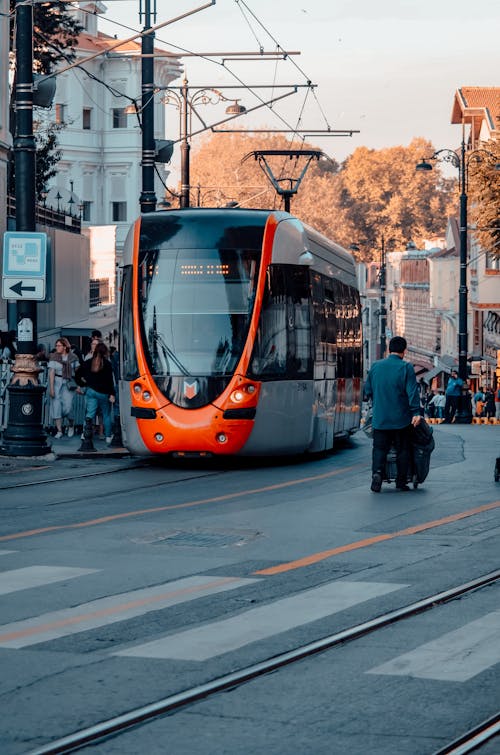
(392,386)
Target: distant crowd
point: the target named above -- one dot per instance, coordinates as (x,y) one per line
(442,404)
(93,374)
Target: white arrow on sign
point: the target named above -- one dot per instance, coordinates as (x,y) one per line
(27,288)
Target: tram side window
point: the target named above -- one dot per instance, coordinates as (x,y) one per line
(129,368)
(283,347)
(300,345)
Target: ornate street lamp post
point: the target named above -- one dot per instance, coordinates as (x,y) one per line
(186,105)
(462,162)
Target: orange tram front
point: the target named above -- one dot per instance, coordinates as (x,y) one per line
(240,333)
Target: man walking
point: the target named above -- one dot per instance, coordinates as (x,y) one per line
(453,393)
(393,388)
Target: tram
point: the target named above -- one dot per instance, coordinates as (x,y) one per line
(240,334)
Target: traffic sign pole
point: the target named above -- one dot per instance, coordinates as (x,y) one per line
(24,434)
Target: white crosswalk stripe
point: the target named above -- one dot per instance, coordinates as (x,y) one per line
(111,609)
(454,657)
(37,576)
(6,553)
(220,637)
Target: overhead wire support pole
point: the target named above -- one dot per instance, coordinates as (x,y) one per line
(148,197)
(24,434)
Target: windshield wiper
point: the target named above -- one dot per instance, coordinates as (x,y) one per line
(169,354)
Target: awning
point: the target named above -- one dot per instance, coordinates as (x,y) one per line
(428,376)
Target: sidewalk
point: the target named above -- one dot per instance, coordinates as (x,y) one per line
(67,448)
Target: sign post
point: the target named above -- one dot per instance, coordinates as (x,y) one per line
(26,261)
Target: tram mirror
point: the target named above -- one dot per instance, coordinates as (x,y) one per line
(306,258)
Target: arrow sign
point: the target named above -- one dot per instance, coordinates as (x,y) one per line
(28,289)
(18,288)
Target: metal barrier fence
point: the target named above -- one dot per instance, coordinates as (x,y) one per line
(78,411)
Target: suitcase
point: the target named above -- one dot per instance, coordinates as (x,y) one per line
(423,445)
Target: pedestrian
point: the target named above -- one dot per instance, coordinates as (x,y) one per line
(489,403)
(393,388)
(497,402)
(96,375)
(7,348)
(452,394)
(438,402)
(61,366)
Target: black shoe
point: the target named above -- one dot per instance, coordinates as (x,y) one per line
(403,488)
(376,485)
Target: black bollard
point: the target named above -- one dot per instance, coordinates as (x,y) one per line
(87,444)
(24,434)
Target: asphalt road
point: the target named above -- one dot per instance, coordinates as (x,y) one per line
(124,581)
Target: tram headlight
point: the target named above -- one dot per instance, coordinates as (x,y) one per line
(159,437)
(137,388)
(250,388)
(221,437)
(237,396)
(146,395)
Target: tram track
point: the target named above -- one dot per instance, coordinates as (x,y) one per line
(122,723)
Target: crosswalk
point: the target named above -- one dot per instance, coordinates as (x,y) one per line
(456,656)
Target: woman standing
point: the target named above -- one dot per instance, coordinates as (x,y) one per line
(96,374)
(61,366)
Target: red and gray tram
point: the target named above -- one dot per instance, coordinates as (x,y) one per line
(240,334)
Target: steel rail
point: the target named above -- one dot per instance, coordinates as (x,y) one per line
(125,721)
(473,738)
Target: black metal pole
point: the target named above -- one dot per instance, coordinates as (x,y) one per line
(383,311)
(148,197)
(464,411)
(185,146)
(24,434)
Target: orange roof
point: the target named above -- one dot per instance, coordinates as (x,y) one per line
(103,42)
(477,104)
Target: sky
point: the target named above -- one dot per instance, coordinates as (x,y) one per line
(388,68)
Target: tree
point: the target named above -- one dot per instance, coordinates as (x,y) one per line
(484,192)
(55,33)
(374,193)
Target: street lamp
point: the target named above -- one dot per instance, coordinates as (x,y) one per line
(462,162)
(186,105)
(382,284)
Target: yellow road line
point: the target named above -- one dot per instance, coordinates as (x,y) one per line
(323,555)
(171,507)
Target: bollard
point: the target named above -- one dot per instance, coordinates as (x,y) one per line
(87,444)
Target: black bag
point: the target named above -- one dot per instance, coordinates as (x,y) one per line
(423,446)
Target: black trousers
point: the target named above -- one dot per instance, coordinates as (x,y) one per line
(401,440)
(450,408)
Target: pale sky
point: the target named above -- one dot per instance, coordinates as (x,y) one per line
(389,68)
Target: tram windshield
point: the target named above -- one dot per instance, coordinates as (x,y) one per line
(196,308)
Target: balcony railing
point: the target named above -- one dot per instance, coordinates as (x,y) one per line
(47,216)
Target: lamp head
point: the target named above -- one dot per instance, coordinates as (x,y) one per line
(424,165)
(235,109)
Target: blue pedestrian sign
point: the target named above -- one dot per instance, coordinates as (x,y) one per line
(24,265)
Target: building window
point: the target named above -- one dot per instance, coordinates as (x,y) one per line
(119,117)
(87,211)
(60,113)
(87,118)
(492,263)
(118,211)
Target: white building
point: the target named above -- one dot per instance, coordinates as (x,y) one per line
(100,168)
